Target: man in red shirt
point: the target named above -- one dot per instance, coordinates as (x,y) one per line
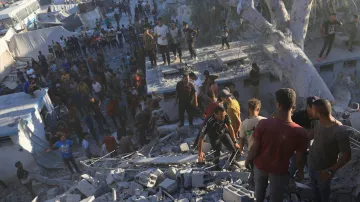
(275,141)
(110,144)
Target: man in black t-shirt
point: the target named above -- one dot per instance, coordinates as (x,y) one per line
(186,99)
(328,32)
(24,178)
(218,128)
(190,35)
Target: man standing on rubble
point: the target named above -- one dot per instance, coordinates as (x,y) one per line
(24,178)
(186,99)
(64,146)
(218,128)
(224,36)
(233,110)
(275,141)
(331,140)
(190,35)
(175,36)
(161,31)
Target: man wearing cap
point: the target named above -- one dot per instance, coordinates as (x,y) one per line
(328,32)
(219,130)
(233,109)
(186,99)
(255,81)
(24,178)
(161,31)
(175,35)
(190,35)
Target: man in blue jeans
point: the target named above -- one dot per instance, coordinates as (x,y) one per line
(331,138)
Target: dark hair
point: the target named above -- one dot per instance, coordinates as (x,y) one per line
(323,107)
(219,109)
(356,16)
(254,104)
(192,74)
(185,75)
(286,97)
(311,100)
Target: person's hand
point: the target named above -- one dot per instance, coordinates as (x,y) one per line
(237,146)
(201,157)
(324,175)
(299,176)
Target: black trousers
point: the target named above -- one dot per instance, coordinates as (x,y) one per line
(30,189)
(176,47)
(164,50)
(191,49)
(224,40)
(70,161)
(224,139)
(328,43)
(152,57)
(189,110)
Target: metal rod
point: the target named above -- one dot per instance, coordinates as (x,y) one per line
(101,158)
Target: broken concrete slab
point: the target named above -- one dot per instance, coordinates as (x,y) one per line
(166,70)
(270,51)
(230,55)
(86,188)
(138,199)
(115,175)
(184,178)
(169,185)
(73,198)
(201,178)
(100,176)
(167,160)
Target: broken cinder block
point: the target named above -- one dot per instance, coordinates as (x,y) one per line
(183,178)
(86,188)
(200,178)
(169,185)
(236,194)
(146,178)
(171,173)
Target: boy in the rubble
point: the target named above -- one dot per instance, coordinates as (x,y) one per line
(218,128)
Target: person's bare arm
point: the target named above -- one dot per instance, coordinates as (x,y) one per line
(195,99)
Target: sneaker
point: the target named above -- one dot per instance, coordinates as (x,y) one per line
(318,60)
(196,58)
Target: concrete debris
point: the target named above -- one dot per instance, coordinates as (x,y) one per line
(86,188)
(88,199)
(184,147)
(169,185)
(146,178)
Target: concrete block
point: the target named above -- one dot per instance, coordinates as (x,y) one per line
(230,56)
(183,178)
(86,188)
(171,173)
(133,188)
(115,175)
(206,147)
(89,178)
(200,178)
(169,185)
(184,147)
(236,194)
(160,175)
(88,199)
(146,178)
(73,198)
(270,51)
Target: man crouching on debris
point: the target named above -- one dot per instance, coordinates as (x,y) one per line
(218,128)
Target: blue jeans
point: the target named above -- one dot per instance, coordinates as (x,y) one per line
(320,189)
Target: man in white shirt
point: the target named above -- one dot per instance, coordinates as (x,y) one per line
(175,35)
(197,82)
(30,73)
(97,89)
(248,127)
(161,32)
